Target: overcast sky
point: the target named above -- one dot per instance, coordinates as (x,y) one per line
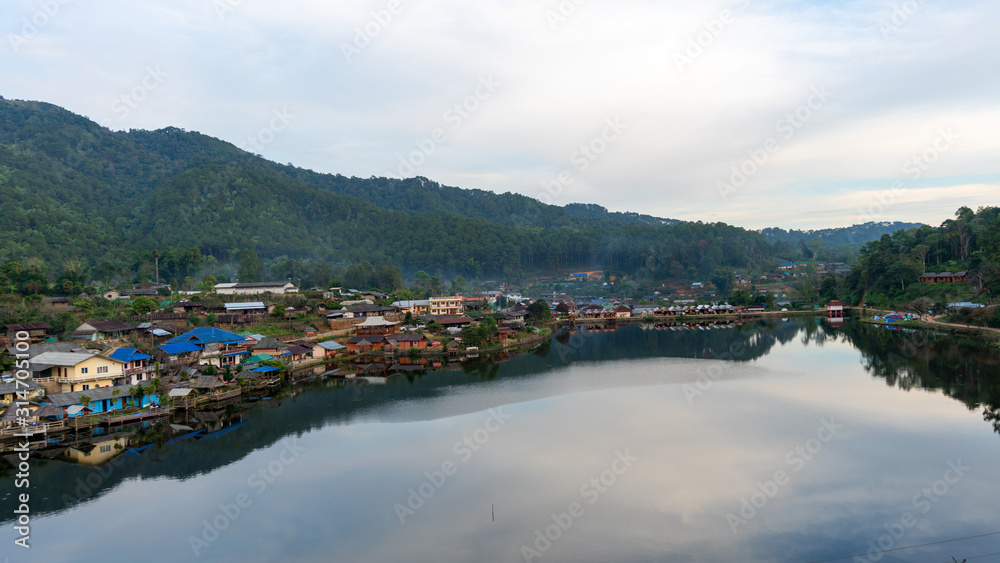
(793,114)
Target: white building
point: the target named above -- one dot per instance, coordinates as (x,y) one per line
(277,288)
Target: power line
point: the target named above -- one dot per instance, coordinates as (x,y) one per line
(908,547)
(981,556)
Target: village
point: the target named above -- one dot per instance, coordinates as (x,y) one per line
(240,342)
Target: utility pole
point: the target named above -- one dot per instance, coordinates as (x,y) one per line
(156,262)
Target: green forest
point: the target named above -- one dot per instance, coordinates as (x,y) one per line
(86,205)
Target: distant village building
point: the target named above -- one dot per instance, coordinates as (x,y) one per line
(256,288)
(414,307)
(451,305)
(835,310)
(945,277)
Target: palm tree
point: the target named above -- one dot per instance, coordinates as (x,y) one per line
(138,392)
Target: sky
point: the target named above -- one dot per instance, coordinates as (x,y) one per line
(797,114)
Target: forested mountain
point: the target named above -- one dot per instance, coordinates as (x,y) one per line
(854,236)
(73,192)
(889,269)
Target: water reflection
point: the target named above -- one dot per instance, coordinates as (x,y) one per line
(574,405)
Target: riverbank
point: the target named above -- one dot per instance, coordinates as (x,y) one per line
(927,322)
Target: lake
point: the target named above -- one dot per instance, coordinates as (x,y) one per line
(771,441)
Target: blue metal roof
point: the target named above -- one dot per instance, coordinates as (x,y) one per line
(179,348)
(128,355)
(207,335)
(264,369)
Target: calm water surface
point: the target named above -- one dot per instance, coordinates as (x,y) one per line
(790,441)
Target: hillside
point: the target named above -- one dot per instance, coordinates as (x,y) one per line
(72,190)
(854,236)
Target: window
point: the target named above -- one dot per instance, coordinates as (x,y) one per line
(105,449)
(102,369)
(83,371)
(86,387)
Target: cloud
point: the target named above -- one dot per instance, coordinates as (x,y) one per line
(370,80)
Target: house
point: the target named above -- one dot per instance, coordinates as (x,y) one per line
(365,343)
(12,421)
(9,391)
(32,332)
(208,335)
(414,307)
(111,294)
(217,346)
(102,400)
(374,326)
(104,330)
(270,346)
(835,310)
(373,295)
(133,293)
(622,312)
(137,367)
(446,305)
(328,349)
(79,372)
(256,360)
(407,341)
(256,288)
(188,306)
(362,310)
(182,352)
(945,277)
(249,308)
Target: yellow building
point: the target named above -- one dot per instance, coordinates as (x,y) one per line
(99,453)
(446,305)
(74,371)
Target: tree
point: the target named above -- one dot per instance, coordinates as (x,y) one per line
(539,310)
(139,393)
(279,310)
(208,283)
(143,305)
(741,298)
(251,268)
(408,319)
(85,400)
(163,291)
(562,308)
(922,305)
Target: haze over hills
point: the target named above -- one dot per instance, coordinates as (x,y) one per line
(854,236)
(72,189)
